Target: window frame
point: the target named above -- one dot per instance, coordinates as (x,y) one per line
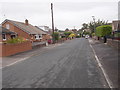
(13,35)
(7,26)
(38,36)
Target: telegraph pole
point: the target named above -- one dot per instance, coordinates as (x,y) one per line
(94,22)
(52,23)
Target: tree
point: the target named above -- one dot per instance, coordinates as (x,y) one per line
(103,31)
(56,29)
(95,24)
(56,36)
(66,29)
(67,34)
(86,33)
(72,35)
(84,26)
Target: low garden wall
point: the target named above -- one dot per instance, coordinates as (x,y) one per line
(112,42)
(11,49)
(38,44)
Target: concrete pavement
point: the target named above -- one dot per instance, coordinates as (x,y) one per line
(108,57)
(70,65)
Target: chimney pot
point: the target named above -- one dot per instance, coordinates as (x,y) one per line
(26,22)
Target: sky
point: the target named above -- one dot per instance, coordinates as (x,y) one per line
(67,13)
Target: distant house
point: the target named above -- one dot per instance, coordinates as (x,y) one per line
(61,33)
(47,35)
(116,25)
(46,29)
(25,30)
(6,34)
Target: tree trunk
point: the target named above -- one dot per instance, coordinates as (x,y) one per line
(105,39)
(98,38)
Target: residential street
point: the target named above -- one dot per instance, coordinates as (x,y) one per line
(69,65)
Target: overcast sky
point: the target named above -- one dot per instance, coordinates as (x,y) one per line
(67,13)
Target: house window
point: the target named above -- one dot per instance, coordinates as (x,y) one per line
(4,37)
(7,26)
(13,36)
(40,36)
(37,37)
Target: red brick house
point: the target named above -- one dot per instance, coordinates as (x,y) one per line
(7,49)
(6,34)
(25,30)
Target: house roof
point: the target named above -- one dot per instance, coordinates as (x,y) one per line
(41,29)
(45,28)
(5,31)
(30,29)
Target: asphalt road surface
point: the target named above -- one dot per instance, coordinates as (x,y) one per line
(69,65)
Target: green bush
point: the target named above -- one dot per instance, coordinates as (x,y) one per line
(67,34)
(78,36)
(104,30)
(16,40)
(56,35)
(93,34)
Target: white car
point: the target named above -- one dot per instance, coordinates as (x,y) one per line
(86,36)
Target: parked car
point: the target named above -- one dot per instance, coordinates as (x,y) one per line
(49,41)
(86,36)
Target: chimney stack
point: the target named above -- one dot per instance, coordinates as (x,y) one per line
(26,22)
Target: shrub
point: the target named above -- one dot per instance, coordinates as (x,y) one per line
(78,36)
(104,30)
(16,40)
(71,35)
(93,34)
(67,34)
(56,35)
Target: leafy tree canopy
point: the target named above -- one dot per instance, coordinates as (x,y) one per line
(103,30)
(72,35)
(56,35)
(86,33)
(67,34)
(91,25)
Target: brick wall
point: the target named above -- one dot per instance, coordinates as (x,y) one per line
(0,37)
(112,43)
(11,49)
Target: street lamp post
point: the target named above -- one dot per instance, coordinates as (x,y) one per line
(83,33)
(52,23)
(94,22)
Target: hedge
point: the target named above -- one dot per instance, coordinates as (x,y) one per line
(104,30)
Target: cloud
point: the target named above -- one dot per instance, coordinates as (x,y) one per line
(66,14)
(59,0)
